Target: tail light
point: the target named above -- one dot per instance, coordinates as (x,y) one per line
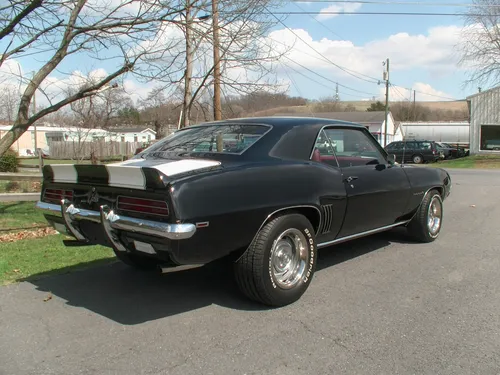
(57,195)
(142,205)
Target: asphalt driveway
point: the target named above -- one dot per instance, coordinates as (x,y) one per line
(379,305)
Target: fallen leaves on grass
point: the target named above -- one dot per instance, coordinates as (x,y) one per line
(12,237)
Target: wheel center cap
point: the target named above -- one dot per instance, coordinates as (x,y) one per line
(284,255)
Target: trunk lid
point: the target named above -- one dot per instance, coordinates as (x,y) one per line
(138,174)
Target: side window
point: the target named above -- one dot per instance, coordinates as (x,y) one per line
(425,146)
(411,145)
(396,146)
(353,147)
(324,150)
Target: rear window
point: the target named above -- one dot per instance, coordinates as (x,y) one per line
(222,139)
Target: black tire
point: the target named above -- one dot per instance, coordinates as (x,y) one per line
(417,159)
(255,269)
(137,261)
(419,227)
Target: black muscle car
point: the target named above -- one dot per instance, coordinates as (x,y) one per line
(265,193)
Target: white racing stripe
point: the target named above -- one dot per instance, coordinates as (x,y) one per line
(64,173)
(181,166)
(124,176)
(131,176)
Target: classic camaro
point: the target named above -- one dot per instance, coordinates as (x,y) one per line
(265,193)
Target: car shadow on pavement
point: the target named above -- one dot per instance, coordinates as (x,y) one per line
(330,256)
(131,297)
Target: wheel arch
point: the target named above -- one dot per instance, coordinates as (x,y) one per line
(440,190)
(312,213)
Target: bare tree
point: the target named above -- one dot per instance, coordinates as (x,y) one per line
(100,30)
(247,56)
(480,47)
(159,111)
(9,100)
(97,111)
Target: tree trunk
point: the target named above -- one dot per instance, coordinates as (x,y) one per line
(189,70)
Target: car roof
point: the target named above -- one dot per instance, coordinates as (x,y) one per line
(282,121)
(289,137)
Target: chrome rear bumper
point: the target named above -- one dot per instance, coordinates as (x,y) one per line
(111,222)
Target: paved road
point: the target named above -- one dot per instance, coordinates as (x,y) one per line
(380,305)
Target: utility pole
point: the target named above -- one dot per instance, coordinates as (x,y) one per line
(34,124)
(414,105)
(185,114)
(215,26)
(337,97)
(386,77)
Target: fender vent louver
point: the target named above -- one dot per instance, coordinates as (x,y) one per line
(327,218)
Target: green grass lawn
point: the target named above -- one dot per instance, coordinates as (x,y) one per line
(32,258)
(475,161)
(20,215)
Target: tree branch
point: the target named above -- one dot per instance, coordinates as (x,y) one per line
(34,4)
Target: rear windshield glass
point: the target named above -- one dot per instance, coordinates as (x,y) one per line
(224,139)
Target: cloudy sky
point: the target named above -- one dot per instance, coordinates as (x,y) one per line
(422,49)
(344,48)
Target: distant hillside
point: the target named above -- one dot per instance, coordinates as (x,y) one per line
(439,110)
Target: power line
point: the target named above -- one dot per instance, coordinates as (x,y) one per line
(325,60)
(397,91)
(318,21)
(325,86)
(419,3)
(334,33)
(319,53)
(425,93)
(304,13)
(296,87)
(328,79)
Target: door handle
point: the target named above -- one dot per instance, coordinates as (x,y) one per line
(351,178)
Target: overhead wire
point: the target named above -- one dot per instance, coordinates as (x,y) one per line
(296,87)
(412,3)
(374,80)
(328,79)
(345,69)
(318,21)
(360,13)
(325,86)
(427,94)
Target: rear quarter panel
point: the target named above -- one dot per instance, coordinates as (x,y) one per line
(236,202)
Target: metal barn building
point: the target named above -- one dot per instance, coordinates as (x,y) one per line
(452,132)
(484,108)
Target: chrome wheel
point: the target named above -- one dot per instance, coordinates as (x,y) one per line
(434,216)
(289,256)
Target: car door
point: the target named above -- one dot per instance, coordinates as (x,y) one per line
(409,149)
(377,191)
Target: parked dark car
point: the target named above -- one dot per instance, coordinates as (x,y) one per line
(414,151)
(263,193)
(451,152)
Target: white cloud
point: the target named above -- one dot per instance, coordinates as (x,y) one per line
(433,53)
(11,72)
(326,13)
(135,90)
